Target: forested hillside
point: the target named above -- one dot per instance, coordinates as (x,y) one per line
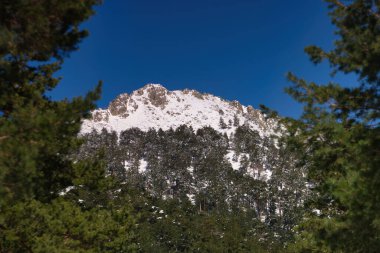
(241,175)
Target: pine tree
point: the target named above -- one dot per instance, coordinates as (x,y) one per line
(38,136)
(34,129)
(236,121)
(222,124)
(338,136)
(229,123)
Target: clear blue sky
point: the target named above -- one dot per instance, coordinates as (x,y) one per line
(236,49)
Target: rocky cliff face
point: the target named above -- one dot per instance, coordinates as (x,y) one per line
(153,106)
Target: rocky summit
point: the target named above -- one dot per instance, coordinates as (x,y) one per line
(153,106)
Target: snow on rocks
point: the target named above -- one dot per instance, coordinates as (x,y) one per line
(153,106)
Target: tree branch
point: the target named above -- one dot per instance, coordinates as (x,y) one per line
(342,5)
(3,137)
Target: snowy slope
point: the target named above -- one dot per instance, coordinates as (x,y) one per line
(153,106)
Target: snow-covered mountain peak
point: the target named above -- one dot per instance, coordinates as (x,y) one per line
(153,106)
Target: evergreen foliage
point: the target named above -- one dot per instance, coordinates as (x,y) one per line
(189,171)
(338,138)
(236,121)
(38,137)
(222,124)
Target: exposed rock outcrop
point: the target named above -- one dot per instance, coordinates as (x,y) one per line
(157,95)
(119,105)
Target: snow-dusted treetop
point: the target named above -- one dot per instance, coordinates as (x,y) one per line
(153,106)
